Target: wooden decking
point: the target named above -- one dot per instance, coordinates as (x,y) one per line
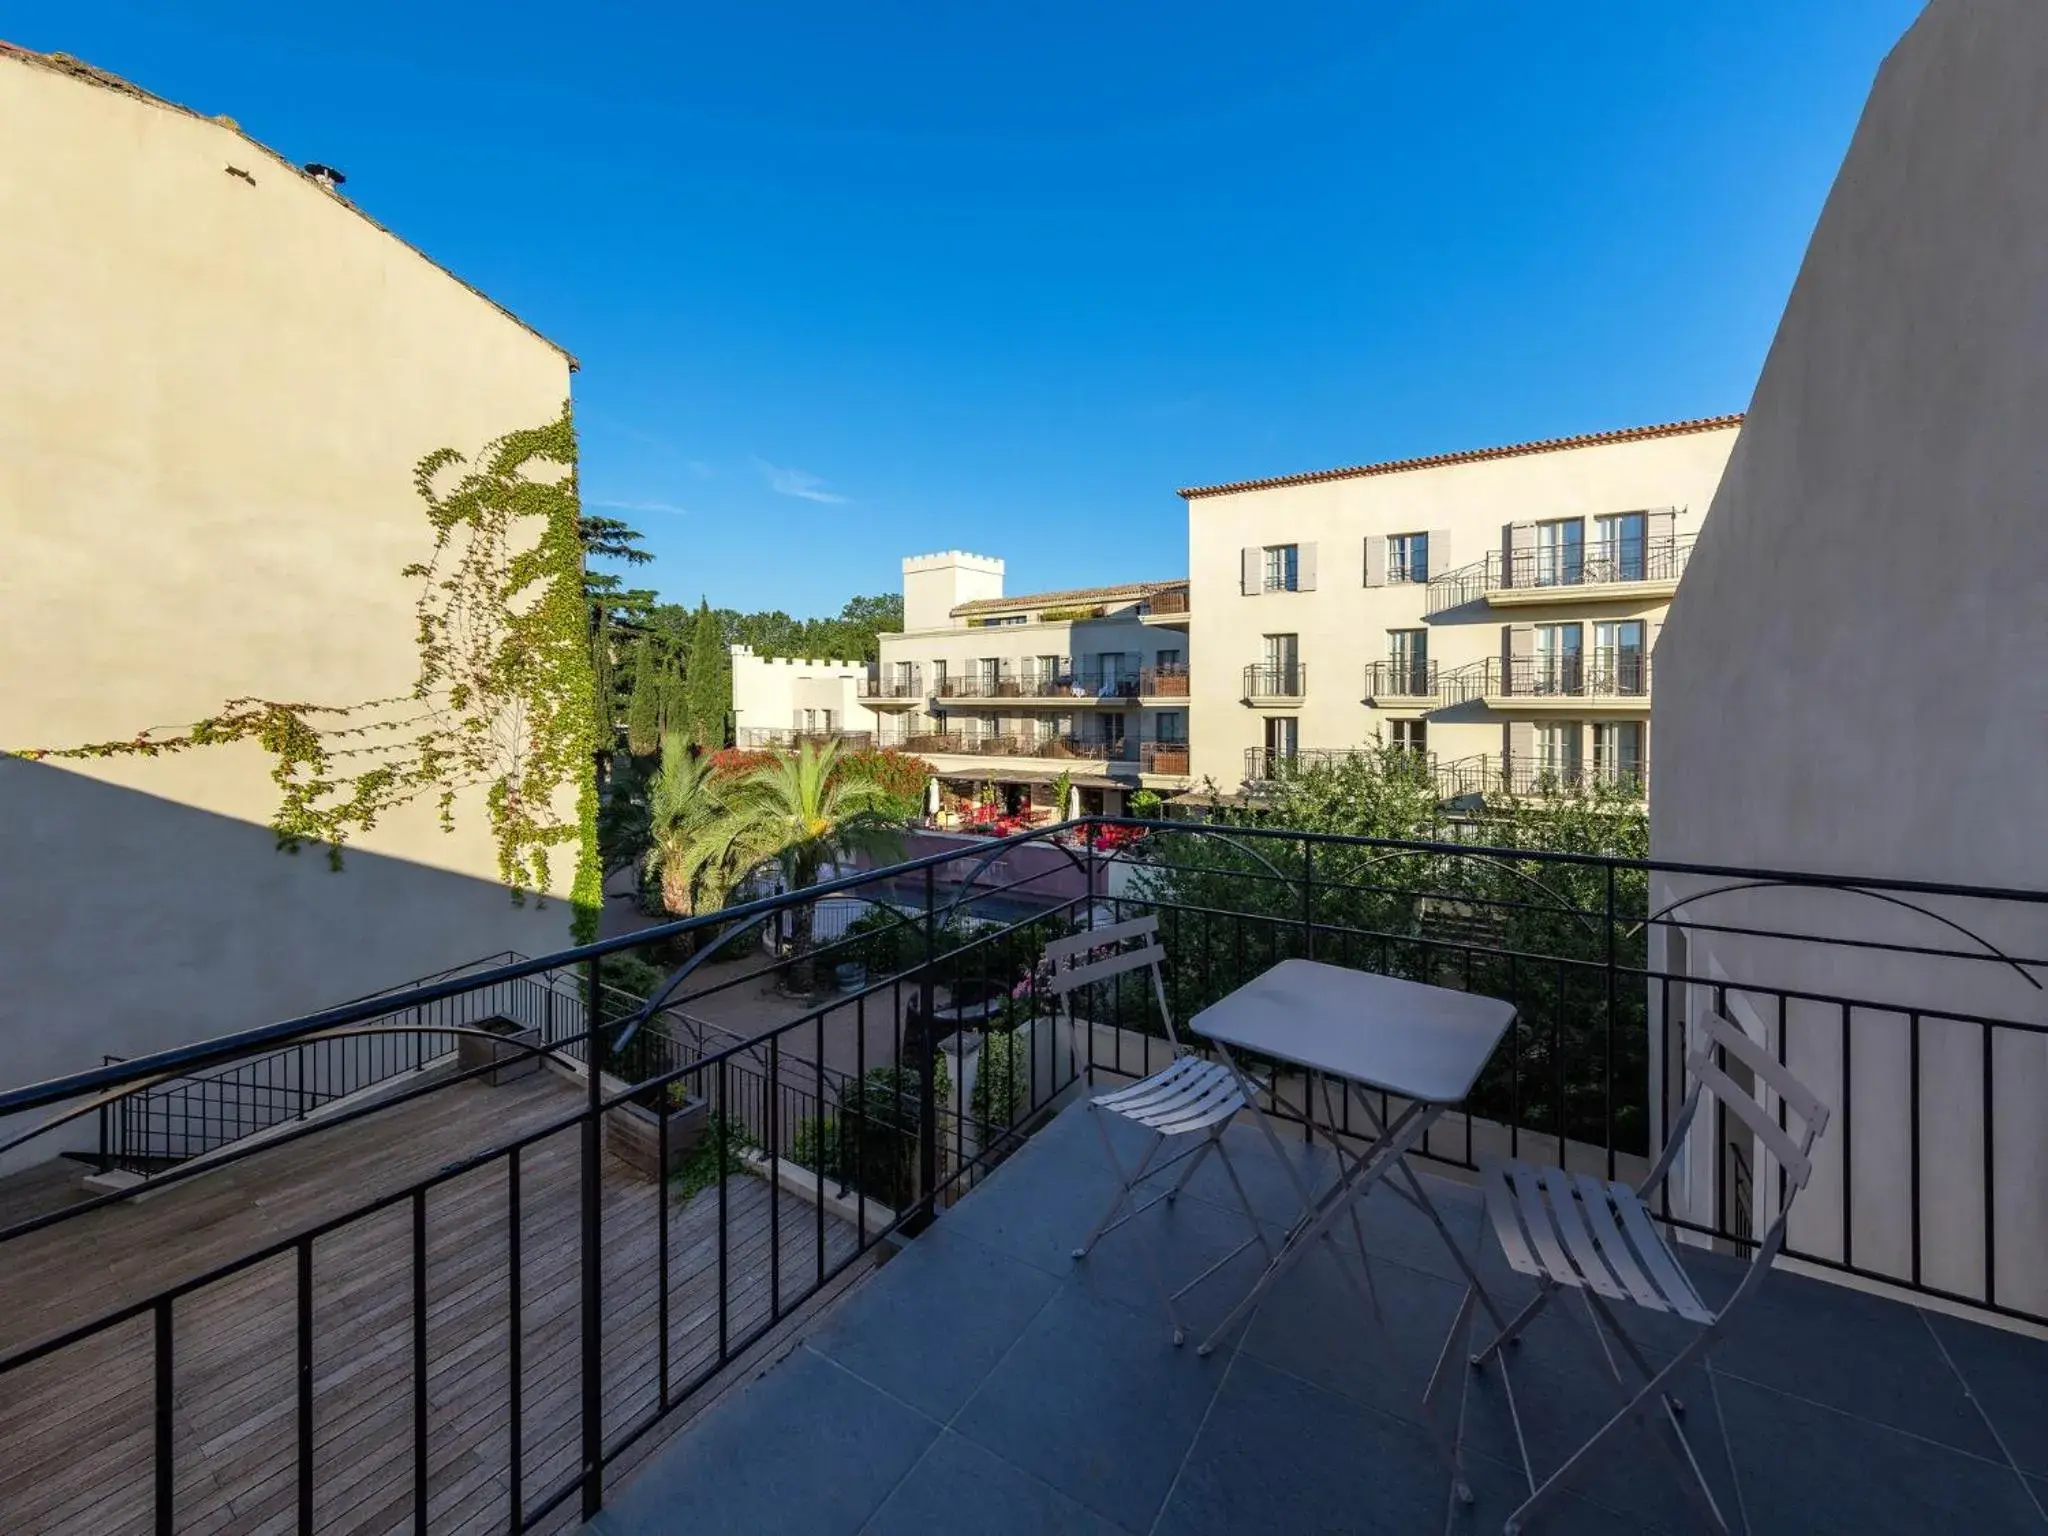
(77,1428)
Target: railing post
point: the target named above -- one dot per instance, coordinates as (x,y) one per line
(925,1046)
(1308,910)
(592,1249)
(1607,1068)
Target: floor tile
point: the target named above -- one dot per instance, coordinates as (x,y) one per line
(1096,1403)
(1860,1353)
(933,1323)
(964,1490)
(1805,1468)
(2007,1374)
(808,1449)
(1187,1243)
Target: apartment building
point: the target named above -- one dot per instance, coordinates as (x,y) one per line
(217,377)
(1014,691)
(781,701)
(1494,609)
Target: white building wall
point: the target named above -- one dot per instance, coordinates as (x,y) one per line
(1344,622)
(1854,677)
(782,694)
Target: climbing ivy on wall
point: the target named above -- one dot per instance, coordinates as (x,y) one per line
(505,699)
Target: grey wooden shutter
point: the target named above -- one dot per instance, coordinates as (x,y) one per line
(1517,650)
(1439,551)
(1520,741)
(1305,568)
(1660,524)
(1660,544)
(1518,539)
(1375,561)
(1254,570)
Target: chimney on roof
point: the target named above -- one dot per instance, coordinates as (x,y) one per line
(326,175)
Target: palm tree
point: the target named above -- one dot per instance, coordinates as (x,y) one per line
(691,852)
(803,812)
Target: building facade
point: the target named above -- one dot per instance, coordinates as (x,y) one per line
(217,377)
(1012,692)
(1496,609)
(780,701)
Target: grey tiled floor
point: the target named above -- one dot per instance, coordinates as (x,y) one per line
(984,1382)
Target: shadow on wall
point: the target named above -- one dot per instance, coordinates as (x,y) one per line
(130,923)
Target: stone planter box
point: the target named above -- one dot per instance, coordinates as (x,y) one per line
(851,975)
(501,1054)
(633,1132)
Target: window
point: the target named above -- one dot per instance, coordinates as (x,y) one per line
(1618,545)
(987,672)
(1004,620)
(1170,725)
(1557,659)
(825,719)
(1408,658)
(1280,671)
(810,722)
(1411,736)
(939,679)
(1618,752)
(906,678)
(1618,657)
(1560,553)
(1168,659)
(1557,750)
(1407,557)
(1283,567)
(1283,737)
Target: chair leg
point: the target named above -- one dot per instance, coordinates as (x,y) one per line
(1211,1144)
(1512,1331)
(1244,1200)
(1109,1217)
(1130,1209)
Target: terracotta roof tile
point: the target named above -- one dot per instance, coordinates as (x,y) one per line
(1475,455)
(1072,595)
(78,69)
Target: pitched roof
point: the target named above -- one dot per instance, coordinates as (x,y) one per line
(78,69)
(1072,595)
(1476,455)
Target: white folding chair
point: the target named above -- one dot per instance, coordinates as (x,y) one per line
(1576,1232)
(1190,1096)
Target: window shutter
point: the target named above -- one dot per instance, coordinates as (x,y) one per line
(1439,551)
(1254,570)
(1375,561)
(1661,524)
(1521,741)
(1517,539)
(1521,640)
(1305,568)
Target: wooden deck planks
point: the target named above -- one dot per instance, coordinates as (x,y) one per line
(79,1426)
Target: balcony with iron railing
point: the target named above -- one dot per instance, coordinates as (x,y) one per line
(1630,568)
(1608,679)
(1025,684)
(1532,776)
(1263,764)
(1013,744)
(752,738)
(1167,759)
(462,1305)
(1168,605)
(892,685)
(1265,683)
(1403,683)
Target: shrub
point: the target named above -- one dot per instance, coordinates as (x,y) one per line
(1003,1079)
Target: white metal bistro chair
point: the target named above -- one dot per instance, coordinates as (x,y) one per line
(1579,1233)
(1190,1096)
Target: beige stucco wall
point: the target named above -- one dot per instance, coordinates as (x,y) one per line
(212,396)
(1343,623)
(1852,677)
(772,692)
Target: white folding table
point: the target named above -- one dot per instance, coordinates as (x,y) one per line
(1421,1045)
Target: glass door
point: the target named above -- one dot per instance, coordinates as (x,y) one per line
(1619,656)
(1409,653)
(1618,545)
(1557,658)
(1618,752)
(1561,553)
(1283,662)
(1282,739)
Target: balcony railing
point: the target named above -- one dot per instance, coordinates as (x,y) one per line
(1454,589)
(1401,682)
(1604,675)
(1266,763)
(1598,564)
(1163,757)
(893,685)
(772,739)
(1080,685)
(1262,682)
(1013,744)
(1169,602)
(1168,682)
(1533,776)
(602,1303)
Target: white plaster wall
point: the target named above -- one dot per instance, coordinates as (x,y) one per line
(213,393)
(769,692)
(1854,675)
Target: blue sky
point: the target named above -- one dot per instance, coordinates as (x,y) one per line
(855,281)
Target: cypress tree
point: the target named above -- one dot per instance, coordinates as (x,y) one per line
(643,708)
(707,681)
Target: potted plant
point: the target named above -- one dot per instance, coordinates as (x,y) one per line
(633,1130)
(505,1048)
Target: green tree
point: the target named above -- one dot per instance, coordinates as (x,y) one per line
(643,705)
(693,851)
(707,681)
(803,814)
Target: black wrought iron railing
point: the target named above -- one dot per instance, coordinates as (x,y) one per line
(893,683)
(754,738)
(1275,682)
(1079,684)
(1401,681)
(1601,563)
(1267,763)
(1606,675)
(1014,744)
(604,1301)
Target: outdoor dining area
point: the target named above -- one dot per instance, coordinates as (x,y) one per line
(1174,1310)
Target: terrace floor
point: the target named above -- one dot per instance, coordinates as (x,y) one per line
(984,1382)
(76,1427)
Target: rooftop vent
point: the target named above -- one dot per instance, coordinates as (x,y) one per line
(326,175)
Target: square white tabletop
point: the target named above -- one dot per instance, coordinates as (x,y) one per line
(1405,1037)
